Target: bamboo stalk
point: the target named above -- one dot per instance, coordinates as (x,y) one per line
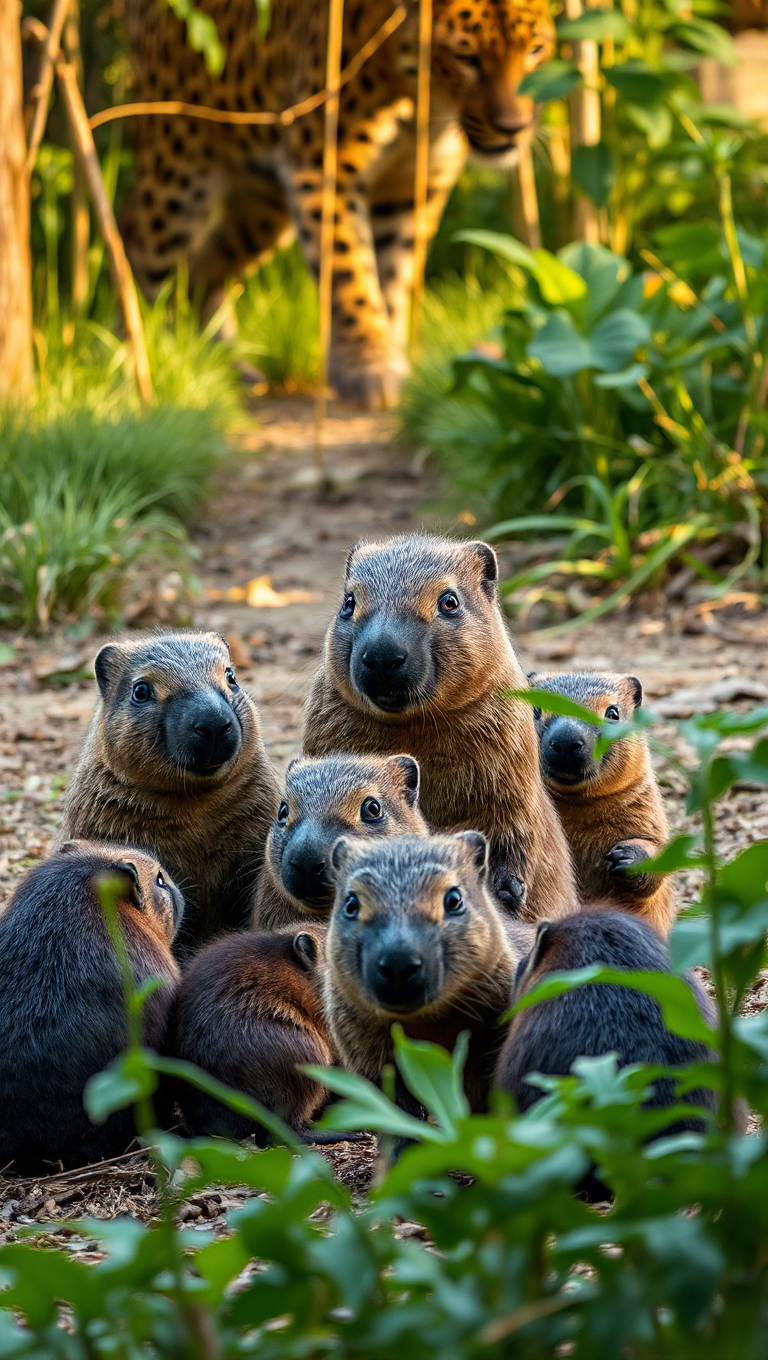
(42,91)
(525,200)
(585,122)
(328,213)
(121,269)
(421,179)
(81,227)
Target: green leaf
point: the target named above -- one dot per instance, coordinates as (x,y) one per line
(434,1076)
(628,377)
(654,120)
(128,1079)
(690,943)
(745,878)
(557,282)
(678,1004)
(559,348)
(366,1107)
(704,36)
(594,25)
(592,170)
(601,269)
(616,337)
(637,81)
(202,34)
(7,654)
(550,702)
(675,855)
(554,80)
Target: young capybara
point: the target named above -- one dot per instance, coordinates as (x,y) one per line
(62,1013)
(611,808)
(419,659)
(174,762)
(597,1018)
(322,800)
(249,1010)
(415,937)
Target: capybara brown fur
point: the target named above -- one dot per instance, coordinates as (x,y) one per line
(598,1018)
(62,1011)
(611,807)
(249,1010)
(174,762)
(415,937)
(419,659)
(322,800)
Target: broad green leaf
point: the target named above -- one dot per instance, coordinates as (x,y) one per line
(675,855)
(202,34)
(434,1076)
(745,878)
(602,270)
(654,120)
(628,377)
(594,25)
(41,1279)
(559,348)
(366,1107)
(690,943)
(550,702)
(592,170)
(704,36)
(615,339)
(637,81)
(557,282)
(554,80)
(678,1005)
(128,1079)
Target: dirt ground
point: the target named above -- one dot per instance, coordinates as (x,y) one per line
(268,521)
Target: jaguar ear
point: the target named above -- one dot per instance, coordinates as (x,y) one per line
(107,666)
(305,949)
(478,846)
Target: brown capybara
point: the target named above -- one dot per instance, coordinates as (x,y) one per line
(415,937)
(62,1012)
(174,762)
(322,800)
(611,808)
(249,1010)
(419,659)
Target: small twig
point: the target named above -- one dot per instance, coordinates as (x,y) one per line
(83,143)
(42,91)
(88,1172)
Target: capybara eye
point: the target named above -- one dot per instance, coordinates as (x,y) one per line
(453,902)
(371,810)
(141,692)
(347,606)
(612,713)
(537,713)
(160,881)
(231,678)
(282,813)
(351,906)
(449,603)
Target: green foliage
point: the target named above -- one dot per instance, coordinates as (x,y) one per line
(278,320)
(511,1263)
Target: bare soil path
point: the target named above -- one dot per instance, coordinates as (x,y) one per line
(267,521)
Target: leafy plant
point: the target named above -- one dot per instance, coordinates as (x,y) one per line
(510,1262)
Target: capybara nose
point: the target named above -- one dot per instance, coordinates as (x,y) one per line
(399,966)
(309,870)
(567,745)
(382,657)
(212,729)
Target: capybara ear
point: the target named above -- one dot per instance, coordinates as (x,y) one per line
(128,871)
(635,689)
(541,944)
(69,848)
(339,854)
(478,846)
(411,774)
(351,554)
(487,556)
(106,666)
(305,949)
(292,764)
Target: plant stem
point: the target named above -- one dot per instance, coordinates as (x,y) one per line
(717,968)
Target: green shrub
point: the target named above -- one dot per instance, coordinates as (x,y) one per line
(278,320)
(511,1263)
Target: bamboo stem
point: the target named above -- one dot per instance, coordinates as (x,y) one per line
(121,269)
(585,123)
(81,227)
(328,213)
(421,179)
(526,203)
(42,91)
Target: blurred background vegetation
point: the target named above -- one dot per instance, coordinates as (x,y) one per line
(592,378)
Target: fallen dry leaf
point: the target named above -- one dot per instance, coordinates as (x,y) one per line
(259,593)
